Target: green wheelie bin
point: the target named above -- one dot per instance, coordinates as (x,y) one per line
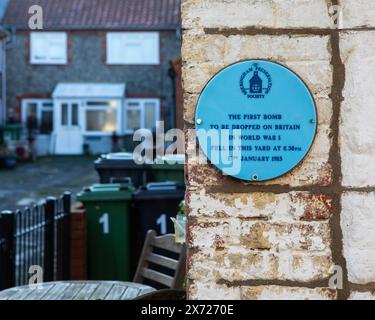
(11,132)
(168,169)
(108,210)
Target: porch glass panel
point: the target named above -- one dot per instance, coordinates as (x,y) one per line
(75,117)
(64,114)
(101,120)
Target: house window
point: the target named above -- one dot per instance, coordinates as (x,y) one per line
(133,116)
(46,120)
(101,116)
(75,116)
(133,48)
(141,113)
(64,114)
(37,114)
(48,48)
(151,115)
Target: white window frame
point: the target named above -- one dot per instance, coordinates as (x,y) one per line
(142,103)
(48,36)
(69,113)
(112,61)
(86,108)
(39,110)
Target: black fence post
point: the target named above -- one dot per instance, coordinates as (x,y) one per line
(7,250)
(66,236)
(49,239)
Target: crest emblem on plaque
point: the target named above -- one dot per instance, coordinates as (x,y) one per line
(256,82)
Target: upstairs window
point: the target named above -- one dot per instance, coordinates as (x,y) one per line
(133,48)
(48,48)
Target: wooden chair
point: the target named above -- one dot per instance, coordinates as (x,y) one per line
(148,256)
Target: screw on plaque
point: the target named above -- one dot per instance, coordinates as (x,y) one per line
(312,121)
(255,177)
(199,121)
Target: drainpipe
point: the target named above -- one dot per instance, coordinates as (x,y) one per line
(8,42)
(172,75)
(3,83)
(10,36)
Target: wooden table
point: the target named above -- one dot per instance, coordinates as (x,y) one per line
(77,290)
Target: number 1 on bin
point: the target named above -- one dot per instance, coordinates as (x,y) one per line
(162,221)
(104,220)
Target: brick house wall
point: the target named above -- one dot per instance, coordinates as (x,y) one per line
(286,238)
(78,242)
(87,56)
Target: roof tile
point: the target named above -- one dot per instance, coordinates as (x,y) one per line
(97,14)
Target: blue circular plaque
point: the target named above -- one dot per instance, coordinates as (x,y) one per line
(256,120)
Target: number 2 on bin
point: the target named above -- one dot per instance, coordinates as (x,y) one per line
(104,220)
(162,221)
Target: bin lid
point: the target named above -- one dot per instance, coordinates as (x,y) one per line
(169,162)
(179,158)
(106,192)
(160,190)
(118,156)
(121,160)
(171,159)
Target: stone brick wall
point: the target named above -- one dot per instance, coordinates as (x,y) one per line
(286,238)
